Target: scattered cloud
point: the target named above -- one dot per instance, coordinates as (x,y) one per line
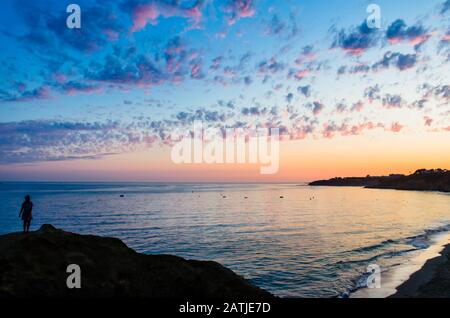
(356,41)
(145,13)
(393,101)
(398,31)
(42,92)
(401,61)
(445,8)
(427,121)
(316,107)
(396,127)
(238,9)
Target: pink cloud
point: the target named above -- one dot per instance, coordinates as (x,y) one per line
(43,92)
(358,107)
(216,63)
(396,127)
(331,129)
(112,35)
(195,14)
(238,9)
(420,39)
(60,78)
(299,133)
(193,55)
(196,71)
(317,107)
(354,51)
(307,55)
(359,129)
(90,90)
(305,58)
(301,74)
(229,72)
(428,121)
(413,41)
(142,15)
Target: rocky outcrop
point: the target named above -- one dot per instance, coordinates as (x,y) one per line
(348,182)
(421,180)
(35,264)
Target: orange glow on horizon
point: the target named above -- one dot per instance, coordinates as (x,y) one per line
(300,161)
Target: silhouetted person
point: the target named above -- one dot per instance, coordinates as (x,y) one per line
(26,213)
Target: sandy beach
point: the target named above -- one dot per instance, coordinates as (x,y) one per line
(426,275)
(431,281)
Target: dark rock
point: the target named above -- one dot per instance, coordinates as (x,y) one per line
(34,265)
(421,180)
(47,228)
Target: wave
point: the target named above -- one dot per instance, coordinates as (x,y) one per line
(373,247)
(423,240)
(418,242)
(369,260)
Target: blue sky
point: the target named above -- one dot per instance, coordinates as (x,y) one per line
(137,70)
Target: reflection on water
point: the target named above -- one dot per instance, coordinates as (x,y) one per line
(313,242)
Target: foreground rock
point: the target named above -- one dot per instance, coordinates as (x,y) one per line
(34,265)
(421,180)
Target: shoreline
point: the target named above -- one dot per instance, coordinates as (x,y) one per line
(432,280)
(420,271)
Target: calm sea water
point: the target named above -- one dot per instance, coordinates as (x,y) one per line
(313,242)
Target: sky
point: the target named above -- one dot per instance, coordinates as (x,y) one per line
(103,102)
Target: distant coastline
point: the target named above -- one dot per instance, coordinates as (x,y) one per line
(421,180)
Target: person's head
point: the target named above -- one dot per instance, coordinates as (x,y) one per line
(27,198)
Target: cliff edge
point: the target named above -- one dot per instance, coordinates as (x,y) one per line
(35,265)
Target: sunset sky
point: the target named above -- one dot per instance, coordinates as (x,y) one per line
(101,103)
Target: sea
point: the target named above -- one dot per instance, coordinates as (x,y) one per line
(293,240)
